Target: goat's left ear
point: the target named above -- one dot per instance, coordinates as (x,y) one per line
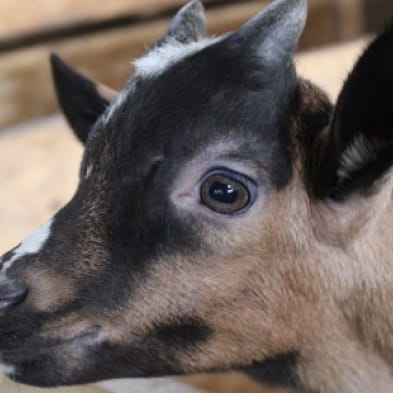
(355,153)
(81,100)
(274,33)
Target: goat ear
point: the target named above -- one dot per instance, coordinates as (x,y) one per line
(188,25)
(81,100)
(356,151)
(274,33)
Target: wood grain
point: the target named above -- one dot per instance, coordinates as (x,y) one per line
(21,17)
(26,90)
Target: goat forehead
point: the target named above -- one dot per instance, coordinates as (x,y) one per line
(167,107)
(220,92)
(193,80)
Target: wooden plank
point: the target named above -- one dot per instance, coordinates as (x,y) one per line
(17,14)
(75,13)
(20,17)
(378,14)
(350,18)
(26,90)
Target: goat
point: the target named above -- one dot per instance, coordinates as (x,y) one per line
(228,217)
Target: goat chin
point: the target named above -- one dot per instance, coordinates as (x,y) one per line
(215,383)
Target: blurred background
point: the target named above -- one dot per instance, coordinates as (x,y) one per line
(39,156)
(101,37)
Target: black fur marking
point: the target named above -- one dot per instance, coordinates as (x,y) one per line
(146,357)
(78,98)
(183,334)
(279,371)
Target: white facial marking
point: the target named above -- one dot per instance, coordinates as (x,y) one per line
(30,245)
(161,58)
(151,385)
(6,369)
(88,171)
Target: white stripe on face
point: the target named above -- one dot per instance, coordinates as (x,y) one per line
(31,245)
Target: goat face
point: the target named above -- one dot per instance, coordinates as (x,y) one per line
(191,244)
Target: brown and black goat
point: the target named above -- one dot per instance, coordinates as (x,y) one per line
(228,217)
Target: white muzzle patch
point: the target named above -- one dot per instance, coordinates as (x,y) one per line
(31,245)
(6,369)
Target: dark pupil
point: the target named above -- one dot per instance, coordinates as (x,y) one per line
(225,193)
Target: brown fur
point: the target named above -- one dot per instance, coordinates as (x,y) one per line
(49,290)
(226,383)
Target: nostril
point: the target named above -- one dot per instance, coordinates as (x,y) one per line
(11,294)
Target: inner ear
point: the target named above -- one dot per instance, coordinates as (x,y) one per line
(81,100)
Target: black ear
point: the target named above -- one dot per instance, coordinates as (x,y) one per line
(357,150)
(187,26)
(81,100)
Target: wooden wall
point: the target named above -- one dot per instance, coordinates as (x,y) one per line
(101,37)
(378,14)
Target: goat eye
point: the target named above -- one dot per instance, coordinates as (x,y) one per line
(226,192)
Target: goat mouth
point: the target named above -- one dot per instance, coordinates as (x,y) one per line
(88,336)
(42,364)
